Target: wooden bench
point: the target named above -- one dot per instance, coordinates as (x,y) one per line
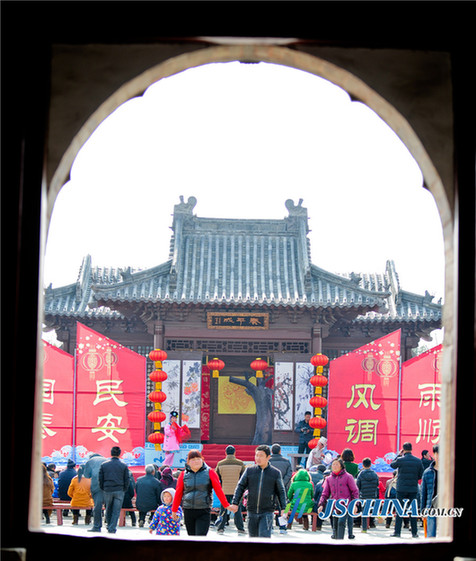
(59,507)
(122,515)
(294,459)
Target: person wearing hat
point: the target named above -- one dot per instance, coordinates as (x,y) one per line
(171,440)
(64,480)
(229,472)
(317,454)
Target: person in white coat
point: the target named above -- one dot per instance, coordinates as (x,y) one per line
(317,454)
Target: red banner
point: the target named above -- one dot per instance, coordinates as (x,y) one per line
(57,425)
(420,410)
(205,404)
(363,401)
(111,393)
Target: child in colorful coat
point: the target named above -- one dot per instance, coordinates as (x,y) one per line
(162,520)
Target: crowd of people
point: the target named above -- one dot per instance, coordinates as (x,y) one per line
(270,492)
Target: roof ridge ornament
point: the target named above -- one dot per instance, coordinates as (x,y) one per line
(185,208)
(295,210)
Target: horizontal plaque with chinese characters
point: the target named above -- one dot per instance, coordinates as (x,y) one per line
(234,320)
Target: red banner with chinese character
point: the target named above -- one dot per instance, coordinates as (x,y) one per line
(363,401)
(57,425)
(110,398)
(420,409)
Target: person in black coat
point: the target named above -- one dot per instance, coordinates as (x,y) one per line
(410,471)
(425,459)
(265,485)
(128,496)
(64,481)
(113,478)
(367,483)
(148,491)
(306,434)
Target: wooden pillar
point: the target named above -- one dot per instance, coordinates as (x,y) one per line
(159,336)
(316,339)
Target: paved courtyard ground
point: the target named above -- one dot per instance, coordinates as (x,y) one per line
(297,534)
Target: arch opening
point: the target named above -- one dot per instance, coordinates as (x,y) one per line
(354,87)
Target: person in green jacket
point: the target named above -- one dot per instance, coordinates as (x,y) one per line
(301,490)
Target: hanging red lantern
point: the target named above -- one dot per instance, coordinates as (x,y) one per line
(156,438)
(157,396)
(318,401)
(317,423)
(156,416)
(319,360)
(259,365)
(215,366)
(158,376)
(318,380)
(313,443)
(157,355)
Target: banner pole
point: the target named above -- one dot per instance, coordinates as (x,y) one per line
(399,402)
(75,395)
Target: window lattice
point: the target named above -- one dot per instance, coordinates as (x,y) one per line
(215,346)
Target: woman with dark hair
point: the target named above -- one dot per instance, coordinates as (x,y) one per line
(339,485)
(48,488)
(80,492)
(194,491)
(349,463)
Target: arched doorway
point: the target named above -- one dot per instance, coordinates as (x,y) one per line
(319,67)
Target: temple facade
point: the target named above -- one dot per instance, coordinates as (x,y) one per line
(238,290)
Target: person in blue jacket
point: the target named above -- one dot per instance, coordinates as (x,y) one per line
(429,492)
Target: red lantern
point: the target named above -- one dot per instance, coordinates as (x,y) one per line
(157,396)
(259,365)
(158,376)
(157,355)
(318,401)
(313,443)
(317,423)
(318,380)
(156,416)
(156,438)
(215,366)
(319,360)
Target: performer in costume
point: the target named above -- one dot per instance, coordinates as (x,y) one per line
(174,435)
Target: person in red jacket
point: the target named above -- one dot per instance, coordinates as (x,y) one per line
(194,491)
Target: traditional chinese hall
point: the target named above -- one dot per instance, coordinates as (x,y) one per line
(237,291)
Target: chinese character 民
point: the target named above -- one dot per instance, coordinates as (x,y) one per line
(362,430)
(109,389)
(361,391)
(111,424)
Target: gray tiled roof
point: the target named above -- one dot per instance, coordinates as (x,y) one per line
(240,262)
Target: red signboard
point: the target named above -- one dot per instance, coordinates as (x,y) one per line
(110,398)
(420,410)
(57,422)
(363,401)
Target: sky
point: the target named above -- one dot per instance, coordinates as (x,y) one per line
(242,139)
